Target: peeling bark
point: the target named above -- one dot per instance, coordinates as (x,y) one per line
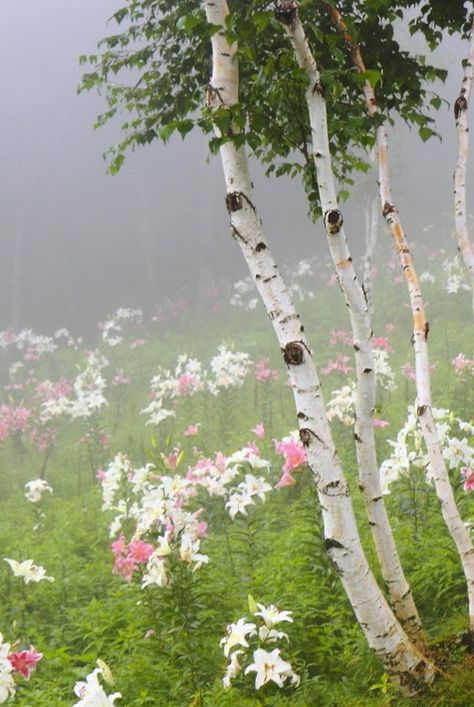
(382,630)
(398,588)
(444,491)
(465,246)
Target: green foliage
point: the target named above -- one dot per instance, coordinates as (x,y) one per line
(162,644)
(156,70)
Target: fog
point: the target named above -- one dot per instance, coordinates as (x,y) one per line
(77,243)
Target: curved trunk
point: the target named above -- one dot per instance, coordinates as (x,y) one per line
(382,630)
(465,247)
(356,301)
(444,491)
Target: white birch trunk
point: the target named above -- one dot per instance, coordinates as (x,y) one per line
(382,630)
(371,232)
(465,247)
(444,491)
(356,301)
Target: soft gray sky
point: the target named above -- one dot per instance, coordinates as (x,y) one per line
(77,243)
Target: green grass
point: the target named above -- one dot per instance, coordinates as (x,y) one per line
(163,644)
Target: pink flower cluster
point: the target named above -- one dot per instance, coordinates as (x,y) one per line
(339,336)
(186,384)
(54,391)
(340,364)
(294,455)
(13,419)
(129,557)
(462,364)
(120,378)
(44,439)
(468,479)
(263,373)
(382,342)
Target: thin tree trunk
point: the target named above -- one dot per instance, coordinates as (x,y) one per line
(382,630)
(371,233)
(465,247)
(452,518)
(399,590)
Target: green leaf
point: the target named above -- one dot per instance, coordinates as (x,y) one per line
(425,133)
(372,76)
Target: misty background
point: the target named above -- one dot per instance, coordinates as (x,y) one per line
(76,243)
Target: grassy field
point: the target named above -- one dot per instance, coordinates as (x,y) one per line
(67,413)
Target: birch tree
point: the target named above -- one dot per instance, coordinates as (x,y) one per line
(439,472)
(383,632)
(461,104)
(166,46)
(356,301)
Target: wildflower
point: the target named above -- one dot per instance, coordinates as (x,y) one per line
(253,486)
(238,503)
(463,364)
(91,692)
(292,450)
(263,373)
(29,571)
(7,683)
(192,430)
(272,616)
(229,368)
(380,423)
(339,336)
(233,668)
(120,378)
(259,430)
(342,403)
(25,662)
(236,635)
(270,667)
(286,479)
(35,489)
(468,479)
(340,364)
(382,342)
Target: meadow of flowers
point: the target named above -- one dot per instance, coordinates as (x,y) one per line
(161,537)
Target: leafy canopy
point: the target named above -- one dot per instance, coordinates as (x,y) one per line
(156,67)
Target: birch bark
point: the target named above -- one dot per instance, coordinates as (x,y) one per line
(399,590)
(465,246)
(383,632)
(371,232)
(444,491)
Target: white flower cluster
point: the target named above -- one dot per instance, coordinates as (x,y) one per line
(269,666)
(157,507)
(187,379)
(89,387)
(112,329)
(29,571)
(35,489)
(216,476)
(90,691)
(27,340)
(384,375)
(341,404)
(455,279)
(409,451)
(243,494)
(7,683)
(244,291)
(426,276)
(227,369)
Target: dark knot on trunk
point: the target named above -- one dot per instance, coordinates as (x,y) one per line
(286,12)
